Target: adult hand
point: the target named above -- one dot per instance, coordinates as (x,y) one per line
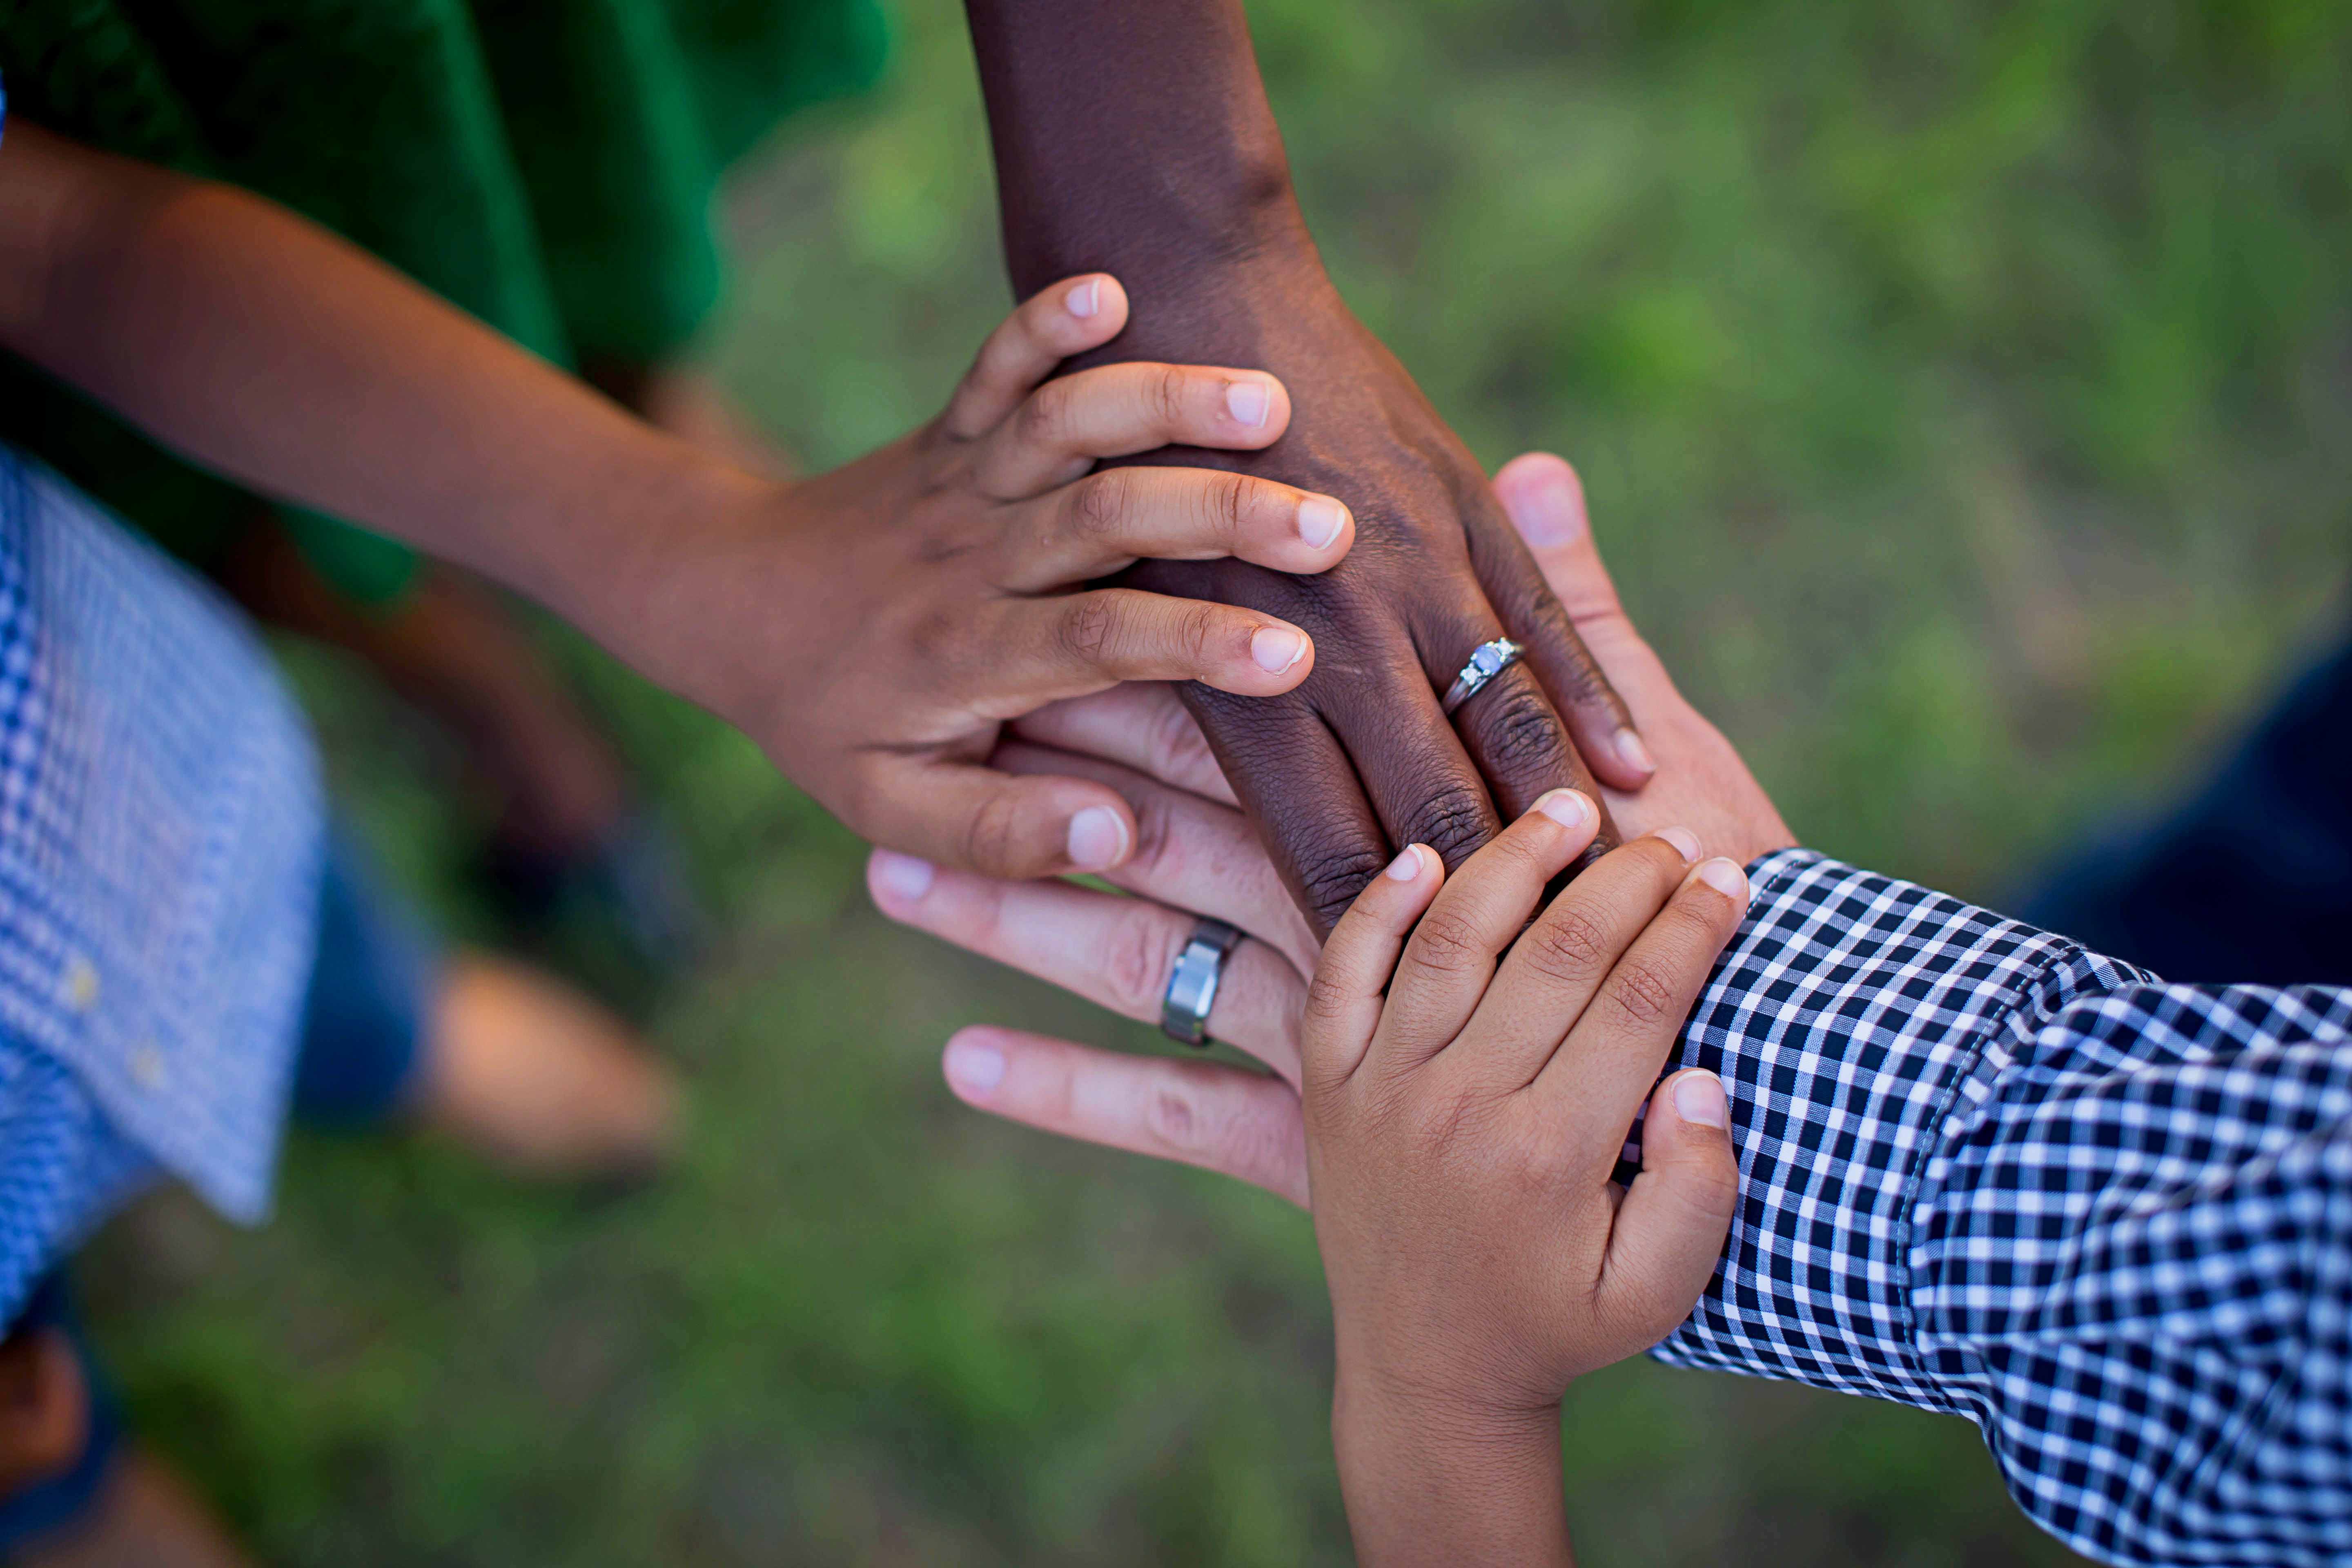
(1135,135)
(873,627)
(1197,856)
(1437,570)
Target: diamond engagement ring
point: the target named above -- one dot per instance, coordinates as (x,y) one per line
(1488,660)
(1192,984)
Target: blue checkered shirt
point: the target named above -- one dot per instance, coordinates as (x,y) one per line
(2107,1219)
(161,834)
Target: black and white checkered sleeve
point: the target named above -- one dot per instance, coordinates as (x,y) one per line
(1987,1173)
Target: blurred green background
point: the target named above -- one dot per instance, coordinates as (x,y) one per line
(1961,388)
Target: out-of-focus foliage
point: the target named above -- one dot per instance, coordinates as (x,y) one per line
(1961,389)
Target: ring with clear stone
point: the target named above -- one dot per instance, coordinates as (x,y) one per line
(1488,660)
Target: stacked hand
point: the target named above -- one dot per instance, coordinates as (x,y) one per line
(1197,856)
(940,588)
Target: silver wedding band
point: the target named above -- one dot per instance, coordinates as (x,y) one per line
(1192,984)
(1488,660)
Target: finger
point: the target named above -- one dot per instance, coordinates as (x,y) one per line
(1559,964)
(1543,495)
(1216,1116)
(1114,410)
(1303,794)
(1344,998)
(1516,740)
(1105,521)
(1139,724)
(1452,956)
(1420,781)
(1075,643)
(1116,952)
(1612,1056)
(977,819)
(1670,1229)
(1189,854)
(1058,320)
(1544,499)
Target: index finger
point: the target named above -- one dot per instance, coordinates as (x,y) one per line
(1058,320)
(1610,1061)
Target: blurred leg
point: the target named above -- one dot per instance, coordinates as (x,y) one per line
(2252,880)
(510,1061)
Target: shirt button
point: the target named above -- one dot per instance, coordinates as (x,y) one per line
(82,984)
(147,1066)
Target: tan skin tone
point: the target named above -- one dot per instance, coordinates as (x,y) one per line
(871,627)
(1199,856)
(1464,1111)
(1191,202)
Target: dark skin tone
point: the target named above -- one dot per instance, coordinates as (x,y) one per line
(1134,135)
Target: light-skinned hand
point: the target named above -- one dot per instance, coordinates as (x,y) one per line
(1196,855)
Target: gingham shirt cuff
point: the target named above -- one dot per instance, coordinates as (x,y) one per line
(1843,1019)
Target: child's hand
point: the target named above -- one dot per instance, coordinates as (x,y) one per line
(1461,1131)
(874,626)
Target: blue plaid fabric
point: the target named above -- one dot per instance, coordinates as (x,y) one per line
(161,829)
(2109,1220)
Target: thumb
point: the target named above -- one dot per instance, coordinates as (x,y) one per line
(977,819)
(1669,1230)
(1545,501)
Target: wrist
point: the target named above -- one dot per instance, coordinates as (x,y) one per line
(1430,1477)
(645,571)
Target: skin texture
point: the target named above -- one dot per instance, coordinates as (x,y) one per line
(1190,201)
(1198,855)
(871,627)
(1464,1111)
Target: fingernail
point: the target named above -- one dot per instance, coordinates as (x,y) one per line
(1248,402)
(1321,519)
(1098,839)
(903,877)
(1566,807)
(1685,841)
(1636,755)
(1698,1097)
(1277,649)
(1405,866)
(976,1068)
(1084,300)
(1547,515)
(1725,879)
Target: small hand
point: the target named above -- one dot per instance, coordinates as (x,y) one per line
(1197,855)
(873,627)
(1471,1060)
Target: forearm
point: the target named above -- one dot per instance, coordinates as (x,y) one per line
(266,349)
(1131,136)
(1446,1486)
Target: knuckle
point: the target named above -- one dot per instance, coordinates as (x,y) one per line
(1642,995)
(1454,822)
(1098,503)
(1164,393)
(1084,629)
(1229,504)
(992,836)
(1521,735)
(1138,955)
(1565,944)
(1331,881)
(1449,944)
(1045,417)
(1171,1117)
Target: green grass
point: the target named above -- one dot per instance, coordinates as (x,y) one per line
(1961,388)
